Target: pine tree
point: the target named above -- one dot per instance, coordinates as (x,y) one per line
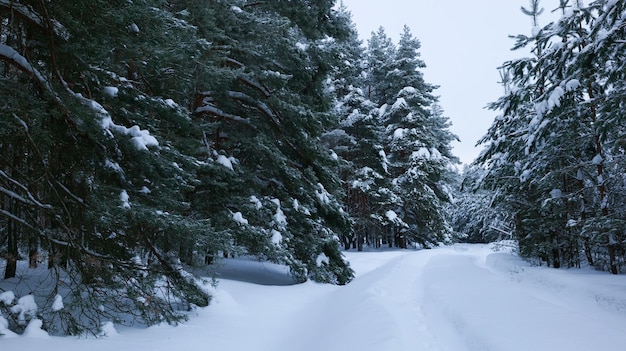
(357,141)
(554,140)
(100,193)
(475,214)
(380,57)
(417,146)
(150,145)
(265,124)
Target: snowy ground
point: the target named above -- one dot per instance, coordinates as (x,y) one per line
(465,297)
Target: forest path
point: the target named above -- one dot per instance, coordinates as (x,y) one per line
(457,298)
(464,297)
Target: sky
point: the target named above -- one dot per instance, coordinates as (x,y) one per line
(463,44)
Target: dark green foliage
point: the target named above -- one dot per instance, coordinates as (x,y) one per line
(121,122)
(396,144)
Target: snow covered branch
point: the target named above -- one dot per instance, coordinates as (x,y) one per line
(262,107)
(9,55)
(31,199)
(28,14)
(213,110)
(257,86)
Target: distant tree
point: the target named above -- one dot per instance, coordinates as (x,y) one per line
(417,143)
(380,59)
(357,139)
(475,214)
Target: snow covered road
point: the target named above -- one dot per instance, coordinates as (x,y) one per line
(465,297)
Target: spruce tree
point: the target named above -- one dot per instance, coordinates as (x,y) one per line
(417,146)
(357,141)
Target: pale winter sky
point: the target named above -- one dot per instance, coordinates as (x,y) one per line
(463,44)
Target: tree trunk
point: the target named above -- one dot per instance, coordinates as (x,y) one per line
(556,256)
(346,243)
(12,252)
(612,249)
(588,255)
(33,251)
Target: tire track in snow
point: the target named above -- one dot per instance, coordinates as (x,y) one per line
(380,310)
(491,309)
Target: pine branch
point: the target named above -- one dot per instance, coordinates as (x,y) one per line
(29,15)
(12,57)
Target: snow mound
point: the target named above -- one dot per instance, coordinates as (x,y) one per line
(33,330)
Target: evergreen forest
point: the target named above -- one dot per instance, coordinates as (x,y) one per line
(144,141)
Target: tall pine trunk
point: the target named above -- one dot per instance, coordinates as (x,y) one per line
(12,249)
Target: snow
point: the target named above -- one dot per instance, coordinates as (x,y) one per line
(322,259)
(399,104)
(408,91)
(435,154)
(322,194)
(35,17)
(171,103)
(33,330)
(12,55)
(597,160)
(107,329)
(525,175)
(140,138)
(124,199)
(384,159)
(277,237)
(456,298)
(134,27)
(26,308)
(257,203)
(382,110)
(225,161)
(57,305)
(300,208)
(556,193)
(114,166)
(238,217)
(391,215)
(572,85)
(555,98)
(7,297)
(111,91)
(398,133)
(279,217)
(4,329)
(334,155)
(421,153)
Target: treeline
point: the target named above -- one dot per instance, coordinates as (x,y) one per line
(555,156)
(140,139)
